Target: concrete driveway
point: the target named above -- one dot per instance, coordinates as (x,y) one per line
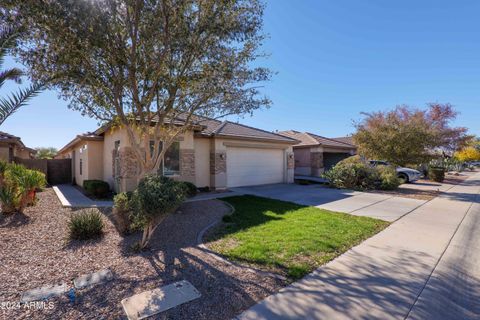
(381,206)
(424,266)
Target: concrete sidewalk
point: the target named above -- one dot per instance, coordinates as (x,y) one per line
(453,290)
(71,197)
(386,275)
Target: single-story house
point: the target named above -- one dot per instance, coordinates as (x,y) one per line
(12,147)
(214,154)
(347,140)
(315,154)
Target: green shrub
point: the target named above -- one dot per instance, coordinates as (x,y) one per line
(353,173)
(121,212)
(9,199)
(87,224)
(388,178)
(18,187)
(3,168)
(436,174)
(121,201)
(156,197)
(96,188)
(190,189)
(204,189)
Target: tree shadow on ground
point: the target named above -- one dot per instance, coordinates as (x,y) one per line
(173,256)
(366,292)
(13,220)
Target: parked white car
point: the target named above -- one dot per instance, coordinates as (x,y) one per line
(473,163)
(404,174)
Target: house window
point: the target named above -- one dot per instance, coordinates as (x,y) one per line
(81,166)
(171,160)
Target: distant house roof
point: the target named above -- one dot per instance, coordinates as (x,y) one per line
(10,138)
(347,139)
(311,139)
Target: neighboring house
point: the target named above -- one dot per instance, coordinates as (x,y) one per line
(214,154)
(315,154)
(12,147)
(347,140)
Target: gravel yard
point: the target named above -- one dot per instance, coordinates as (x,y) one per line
(35,251)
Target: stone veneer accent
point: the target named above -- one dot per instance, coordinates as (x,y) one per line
(290,160)
(316,159)
(187,163)
(217,164)
(128,163)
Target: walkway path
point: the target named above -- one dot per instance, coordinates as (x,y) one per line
(424,266)
(71,197)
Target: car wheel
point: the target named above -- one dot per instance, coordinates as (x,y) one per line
(403,178)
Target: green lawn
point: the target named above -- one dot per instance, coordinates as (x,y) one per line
(288,237)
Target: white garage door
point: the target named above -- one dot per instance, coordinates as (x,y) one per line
(254,166)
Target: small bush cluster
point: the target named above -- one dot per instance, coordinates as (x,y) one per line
(18,186)
(87,224)
(190,188)
(144,208)
(354,173)
(96,188)
(126,213)
(436,174)
(388,177)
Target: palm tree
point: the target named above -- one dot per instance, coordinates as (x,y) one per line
(9,105)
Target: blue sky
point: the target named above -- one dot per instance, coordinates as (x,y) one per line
(334,59)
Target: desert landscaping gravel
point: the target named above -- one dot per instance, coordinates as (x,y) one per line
(35,251)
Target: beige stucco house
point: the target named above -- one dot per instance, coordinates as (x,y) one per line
(215,154)
(315,154)
(12,147)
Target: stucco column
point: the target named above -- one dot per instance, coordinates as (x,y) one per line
(290,166)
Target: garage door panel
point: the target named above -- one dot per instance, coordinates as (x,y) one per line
(254,166)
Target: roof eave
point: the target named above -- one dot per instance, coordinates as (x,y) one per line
(76,140)
(239,137)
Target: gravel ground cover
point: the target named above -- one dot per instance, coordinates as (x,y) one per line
(35,251)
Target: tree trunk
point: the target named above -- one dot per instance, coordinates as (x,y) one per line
(149,230)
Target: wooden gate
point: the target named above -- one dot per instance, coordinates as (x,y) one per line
(57,171)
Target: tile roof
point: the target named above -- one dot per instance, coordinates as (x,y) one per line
(88,136)
(7,137)
(311,139)
(233,129)
(347,139)
(206,127)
